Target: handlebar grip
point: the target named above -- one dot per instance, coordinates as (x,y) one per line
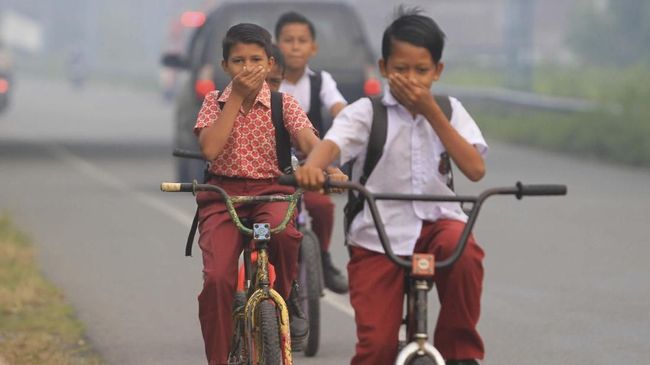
(176,187)
(179,152)
(289,180)
(530,190)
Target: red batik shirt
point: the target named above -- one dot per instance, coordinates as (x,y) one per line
(250,150)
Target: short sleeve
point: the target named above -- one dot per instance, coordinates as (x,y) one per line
(463,122)
(351,129)
(329,92)
(209,112)
(295,118)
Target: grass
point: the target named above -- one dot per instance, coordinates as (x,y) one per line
(36,325)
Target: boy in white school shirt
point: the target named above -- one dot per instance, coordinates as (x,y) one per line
(418,133)
(296,38)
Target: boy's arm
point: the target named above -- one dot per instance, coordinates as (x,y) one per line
(213,138)
(336,108)
(310,175)
(420,101)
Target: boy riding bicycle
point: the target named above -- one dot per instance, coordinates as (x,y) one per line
(236,133)
(418,135)
(296,38)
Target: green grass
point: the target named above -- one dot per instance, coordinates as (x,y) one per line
(600,135)
(36,325)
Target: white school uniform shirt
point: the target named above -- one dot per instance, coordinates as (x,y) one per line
(409,165)
(301,90)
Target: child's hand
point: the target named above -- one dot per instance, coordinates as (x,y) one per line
(413,96)
(309,177)
(335,174)
(248,81)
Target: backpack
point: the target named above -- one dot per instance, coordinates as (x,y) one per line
(282,149)
(376,142)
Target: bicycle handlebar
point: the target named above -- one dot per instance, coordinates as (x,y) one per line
(519,190)
(196,155)
(230,202)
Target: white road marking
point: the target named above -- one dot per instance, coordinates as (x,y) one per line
(91,170)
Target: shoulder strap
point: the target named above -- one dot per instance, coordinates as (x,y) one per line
(445,161)
(377,138)
(314,113)
(445,105)
(282,138)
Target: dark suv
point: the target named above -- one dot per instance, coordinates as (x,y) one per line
(343,51)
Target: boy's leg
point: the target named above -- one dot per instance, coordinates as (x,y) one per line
(321,210)
(220,244)
(459,290)
(377,295)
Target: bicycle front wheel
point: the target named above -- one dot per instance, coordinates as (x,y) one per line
(421,360)
(310,289)
(268,334)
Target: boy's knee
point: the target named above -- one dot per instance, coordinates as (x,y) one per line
(216,279)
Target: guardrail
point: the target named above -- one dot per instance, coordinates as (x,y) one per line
(521,99)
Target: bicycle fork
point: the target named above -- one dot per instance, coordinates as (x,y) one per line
(423,270)
(264,292)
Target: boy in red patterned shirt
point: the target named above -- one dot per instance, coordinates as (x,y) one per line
(236,133)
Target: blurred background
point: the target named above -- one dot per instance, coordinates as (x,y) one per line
(591,54)
(94,96)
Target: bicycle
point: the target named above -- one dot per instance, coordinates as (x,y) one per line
(259,336)
(310,273)
(420,269)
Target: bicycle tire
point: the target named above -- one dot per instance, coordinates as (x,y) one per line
(310,289)
(269,334)
(421,360)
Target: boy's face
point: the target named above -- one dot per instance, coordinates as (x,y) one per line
(296,44)
(412,62)
(246,56)
(274,77)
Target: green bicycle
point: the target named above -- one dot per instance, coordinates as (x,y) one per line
(260,314)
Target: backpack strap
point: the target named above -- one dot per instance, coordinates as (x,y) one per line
(195,220)
(445,161)
(376,142)
(314,114)
(377,138)
(282,138)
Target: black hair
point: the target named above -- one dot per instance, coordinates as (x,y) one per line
(249,34)
(293,17)
(279,58)
(411,27)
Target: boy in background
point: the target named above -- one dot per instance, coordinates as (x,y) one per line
(296,38)
(418,134)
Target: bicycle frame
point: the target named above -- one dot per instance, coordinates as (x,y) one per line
(260,234)
(421,267)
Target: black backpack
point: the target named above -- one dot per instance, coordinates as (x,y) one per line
(282,149)
(376,142)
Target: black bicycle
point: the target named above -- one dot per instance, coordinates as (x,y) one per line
(420,269)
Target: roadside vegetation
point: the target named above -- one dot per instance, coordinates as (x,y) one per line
(611,68)
(36,325)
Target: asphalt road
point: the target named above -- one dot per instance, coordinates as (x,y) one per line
(566,278)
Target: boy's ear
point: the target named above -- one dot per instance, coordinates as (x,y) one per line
(314,49)
(382,67)
(271,63)
(440,66)
(224,64)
